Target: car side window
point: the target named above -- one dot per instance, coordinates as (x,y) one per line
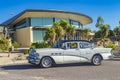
(62,46)
(84,45)
(72,45)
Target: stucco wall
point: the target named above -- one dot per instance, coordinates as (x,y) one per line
(24,36)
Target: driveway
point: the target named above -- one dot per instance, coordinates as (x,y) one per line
(109,70)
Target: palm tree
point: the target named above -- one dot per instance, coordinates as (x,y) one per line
(50,36)
(100,21)
(70,32)
(105,30)
(85,33)
(104,33)
(117,32)
(111,35)
(59,31)
(64,24)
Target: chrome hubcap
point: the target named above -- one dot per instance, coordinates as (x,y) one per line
(97,60)
(47,62)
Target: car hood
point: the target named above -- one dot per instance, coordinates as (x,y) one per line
(102,50)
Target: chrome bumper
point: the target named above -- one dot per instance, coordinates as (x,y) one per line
(33,60)
(111,57)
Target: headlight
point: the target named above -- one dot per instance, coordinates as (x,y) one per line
(37,54)
(32,51)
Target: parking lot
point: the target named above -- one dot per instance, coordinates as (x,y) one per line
(109,70)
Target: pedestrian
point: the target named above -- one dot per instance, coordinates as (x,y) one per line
(9,46)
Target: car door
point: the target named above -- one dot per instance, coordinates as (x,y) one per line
(71,53)
(57,56)
(85,51)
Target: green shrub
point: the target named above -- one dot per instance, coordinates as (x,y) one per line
(40,45)
(4,44)
(16,45)
(113,46)
(32,47)
(26,52)
(2,47)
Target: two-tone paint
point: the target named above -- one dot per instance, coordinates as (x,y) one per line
(67,55)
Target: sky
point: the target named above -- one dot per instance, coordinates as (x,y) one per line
(109,10)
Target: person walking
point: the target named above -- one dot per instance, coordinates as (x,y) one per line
(9,46)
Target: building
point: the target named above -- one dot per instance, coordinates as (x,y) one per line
(30,25)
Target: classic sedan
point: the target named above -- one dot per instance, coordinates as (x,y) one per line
(69,51)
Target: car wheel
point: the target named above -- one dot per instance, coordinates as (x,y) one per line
(46,62)
(96,60)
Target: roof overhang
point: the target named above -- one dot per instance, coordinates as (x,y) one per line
(83,19)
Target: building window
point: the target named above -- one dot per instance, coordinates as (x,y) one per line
(38,35)
(58,19)
(36,21)
(74,23)
(42,22)
(47,22)
(21,24)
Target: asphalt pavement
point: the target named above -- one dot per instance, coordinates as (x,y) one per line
(109,70)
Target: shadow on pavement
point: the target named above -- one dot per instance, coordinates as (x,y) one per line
(19,67)
(29,66)
(72,65)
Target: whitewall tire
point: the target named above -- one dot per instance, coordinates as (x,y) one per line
(46,62)
(96,60)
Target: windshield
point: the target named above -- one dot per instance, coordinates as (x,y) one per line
(58,44)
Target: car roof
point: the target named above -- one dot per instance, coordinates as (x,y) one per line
(62,41)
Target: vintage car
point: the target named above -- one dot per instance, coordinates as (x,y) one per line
(69,51)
